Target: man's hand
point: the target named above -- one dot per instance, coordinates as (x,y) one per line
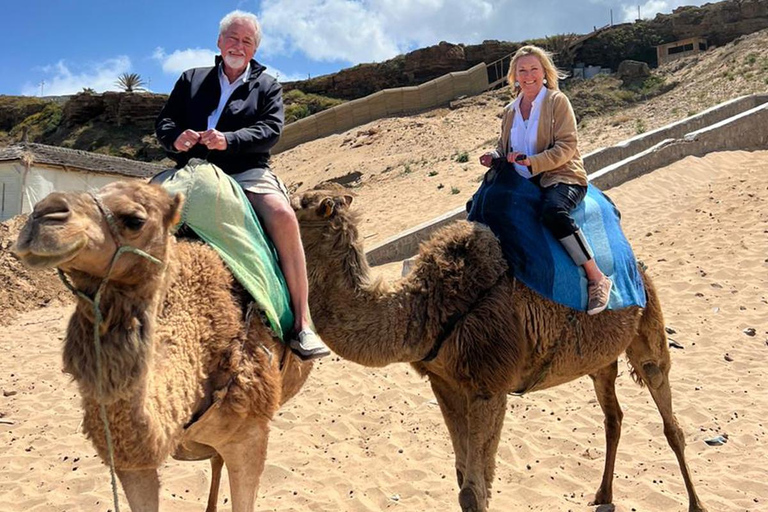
(213,139)
(486,160)
(186,140)
(513,159)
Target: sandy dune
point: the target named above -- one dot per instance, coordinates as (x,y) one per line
(365,440)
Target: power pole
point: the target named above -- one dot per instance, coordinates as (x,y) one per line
(42,87)
(611,17)
(638,13)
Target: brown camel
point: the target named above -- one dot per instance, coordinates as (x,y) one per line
(460,319)
(182,372)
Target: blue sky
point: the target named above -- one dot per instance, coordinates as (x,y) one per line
(67,45)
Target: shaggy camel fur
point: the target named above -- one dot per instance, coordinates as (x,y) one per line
(182,373)
(498,336)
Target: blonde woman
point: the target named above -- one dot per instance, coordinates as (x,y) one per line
(538,137)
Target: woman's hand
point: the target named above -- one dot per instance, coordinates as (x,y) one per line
(486,160)
(513,159)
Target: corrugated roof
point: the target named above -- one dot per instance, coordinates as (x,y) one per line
(79,160)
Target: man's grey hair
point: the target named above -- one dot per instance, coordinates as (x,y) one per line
(230,18)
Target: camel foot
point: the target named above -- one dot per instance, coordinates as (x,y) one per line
(459,477)
(468,501)
(697,507)
(601,498)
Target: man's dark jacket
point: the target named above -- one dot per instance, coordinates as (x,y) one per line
(252,119)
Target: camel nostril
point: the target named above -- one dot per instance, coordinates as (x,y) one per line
(59,216)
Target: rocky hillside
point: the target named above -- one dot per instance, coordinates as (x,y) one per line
(720,23)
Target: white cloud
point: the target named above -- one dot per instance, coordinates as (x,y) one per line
(64,78)
(373,30)
(325,30)
(182,60)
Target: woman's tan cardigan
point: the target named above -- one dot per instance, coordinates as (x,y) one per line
(557,154)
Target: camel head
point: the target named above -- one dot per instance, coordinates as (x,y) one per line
(323,205)
(71,231)
(324,214)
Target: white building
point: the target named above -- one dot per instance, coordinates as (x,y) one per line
(29,172)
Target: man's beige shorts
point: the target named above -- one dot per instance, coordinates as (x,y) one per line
(256,181)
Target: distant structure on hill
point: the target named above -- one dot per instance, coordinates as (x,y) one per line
(685,47)
(29,172)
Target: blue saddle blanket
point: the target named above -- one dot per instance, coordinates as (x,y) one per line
(510,205)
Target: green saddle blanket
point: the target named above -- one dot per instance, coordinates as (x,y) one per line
(217,209)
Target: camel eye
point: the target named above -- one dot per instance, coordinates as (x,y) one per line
(133,222)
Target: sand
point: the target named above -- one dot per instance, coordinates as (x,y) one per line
(358,439)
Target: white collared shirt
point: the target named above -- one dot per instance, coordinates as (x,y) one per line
(522,135)
(226,91)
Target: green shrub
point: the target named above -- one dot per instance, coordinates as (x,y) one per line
(299,105)
(295,112)
(462,157)
(42,123)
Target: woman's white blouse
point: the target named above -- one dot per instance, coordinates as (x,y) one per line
(522,135)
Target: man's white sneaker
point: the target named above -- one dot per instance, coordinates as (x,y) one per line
(308,345)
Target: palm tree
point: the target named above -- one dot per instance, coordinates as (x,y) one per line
(130,82)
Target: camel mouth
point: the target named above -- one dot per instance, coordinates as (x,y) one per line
(48,259)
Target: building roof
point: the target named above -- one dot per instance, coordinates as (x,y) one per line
(75,159)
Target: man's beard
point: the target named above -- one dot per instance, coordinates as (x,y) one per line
(234,62)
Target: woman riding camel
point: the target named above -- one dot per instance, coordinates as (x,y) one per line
(538,137)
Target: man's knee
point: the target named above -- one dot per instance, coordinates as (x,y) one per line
(273,210)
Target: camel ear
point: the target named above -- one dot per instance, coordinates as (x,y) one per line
(326,208)
(173,217)
(344,201)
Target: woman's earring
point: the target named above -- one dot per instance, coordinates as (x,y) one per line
(544,81)
(517,84)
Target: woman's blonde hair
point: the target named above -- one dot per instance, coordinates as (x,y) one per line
(551,73)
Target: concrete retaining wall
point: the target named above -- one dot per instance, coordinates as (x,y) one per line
(388,102)
(742,130)
(602,158)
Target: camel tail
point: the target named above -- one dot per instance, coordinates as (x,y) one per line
(651,343)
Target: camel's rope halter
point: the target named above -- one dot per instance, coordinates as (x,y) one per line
(98,318)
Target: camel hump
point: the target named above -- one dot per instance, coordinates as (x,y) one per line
(463,259)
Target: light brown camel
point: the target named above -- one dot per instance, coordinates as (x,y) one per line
(497,336)
(182,374)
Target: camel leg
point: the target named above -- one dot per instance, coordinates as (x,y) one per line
(486,417)
(142,488)
(653,368)
(245,463)
(658,384)
(605,389)
(453,405)
(213,495)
